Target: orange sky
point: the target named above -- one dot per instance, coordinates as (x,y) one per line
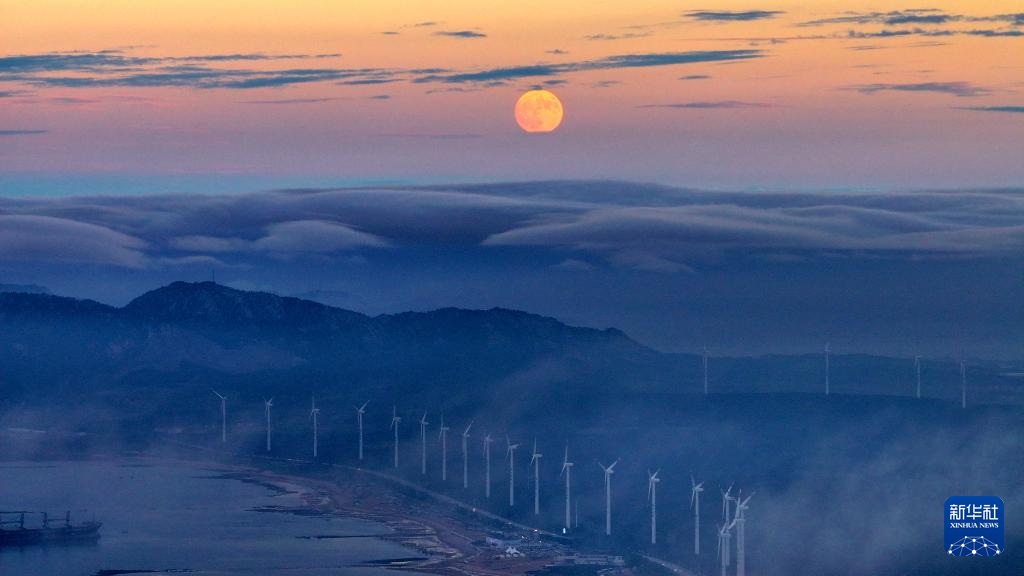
(864,111)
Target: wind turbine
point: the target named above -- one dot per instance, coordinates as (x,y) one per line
(695,490)
(443,435)
(535,462)
(608,471)
(359,416)
(487,457)
(267,405)
(705,357)
(395,419)
(726,498)
(724,536)
(963,384)
(223,416)
(828,390)
(465,456)
(510,455)
(652,497)
(423,443)
(917,368)
(739,521)
(314,415)
(567,471)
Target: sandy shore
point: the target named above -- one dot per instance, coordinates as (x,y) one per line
(446,534)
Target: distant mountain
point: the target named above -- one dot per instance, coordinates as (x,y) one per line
(26,288)
(186,337)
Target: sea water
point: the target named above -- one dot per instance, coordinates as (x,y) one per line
(176,518)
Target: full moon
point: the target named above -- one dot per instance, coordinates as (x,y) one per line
(538,111)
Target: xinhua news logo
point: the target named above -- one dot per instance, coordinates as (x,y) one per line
(974,526)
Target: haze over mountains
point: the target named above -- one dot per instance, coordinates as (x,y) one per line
(188,336)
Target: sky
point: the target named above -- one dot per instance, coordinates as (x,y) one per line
(758,176)
(870,94)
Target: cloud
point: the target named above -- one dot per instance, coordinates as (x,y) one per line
(725,104)
(695,77)
(638,226)
(556,52)
(623,36)
(314,237)
(609,63)
(730,16)
(959,89)
(894,17)
(920,16)
(1005,109)
(294,101)
(460,34)
(116,68)
(49,239)
(22,132)
(888,33)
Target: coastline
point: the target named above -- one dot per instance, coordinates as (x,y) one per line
(448,535)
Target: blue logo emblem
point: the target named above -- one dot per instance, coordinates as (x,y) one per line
(974,526)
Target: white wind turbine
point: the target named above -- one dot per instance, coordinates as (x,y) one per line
(567,471)
(963,384)
(223,416)
(726,498)
(510,455)
(917,369)
(423,443)
(395,419)
(359,417)
(828,352)
(740,521)
(314,415)
(695,490)
(267,405)
(487,466)
(652,497)
(535,462)
(608,471)
(443,435)
(705,357)
(724,545)
(465,456)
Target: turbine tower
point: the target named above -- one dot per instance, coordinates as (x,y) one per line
(443,435)
(487,467)
(726,498)
(608,471)
(535,462)
(359,416)
(828,390)
(724,537)
(917,369)
(695,490)
(963,384)
(705,357)
(567,471)
(740,521)
(423,443)
(510,455)
(395,419)
(267,405)
(314,415)
(652,497)
(223,416)
(465,456)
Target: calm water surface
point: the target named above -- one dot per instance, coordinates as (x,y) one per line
(177,518)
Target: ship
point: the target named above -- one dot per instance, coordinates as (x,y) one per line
(15,532)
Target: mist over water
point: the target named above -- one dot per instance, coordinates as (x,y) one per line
(179,517)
